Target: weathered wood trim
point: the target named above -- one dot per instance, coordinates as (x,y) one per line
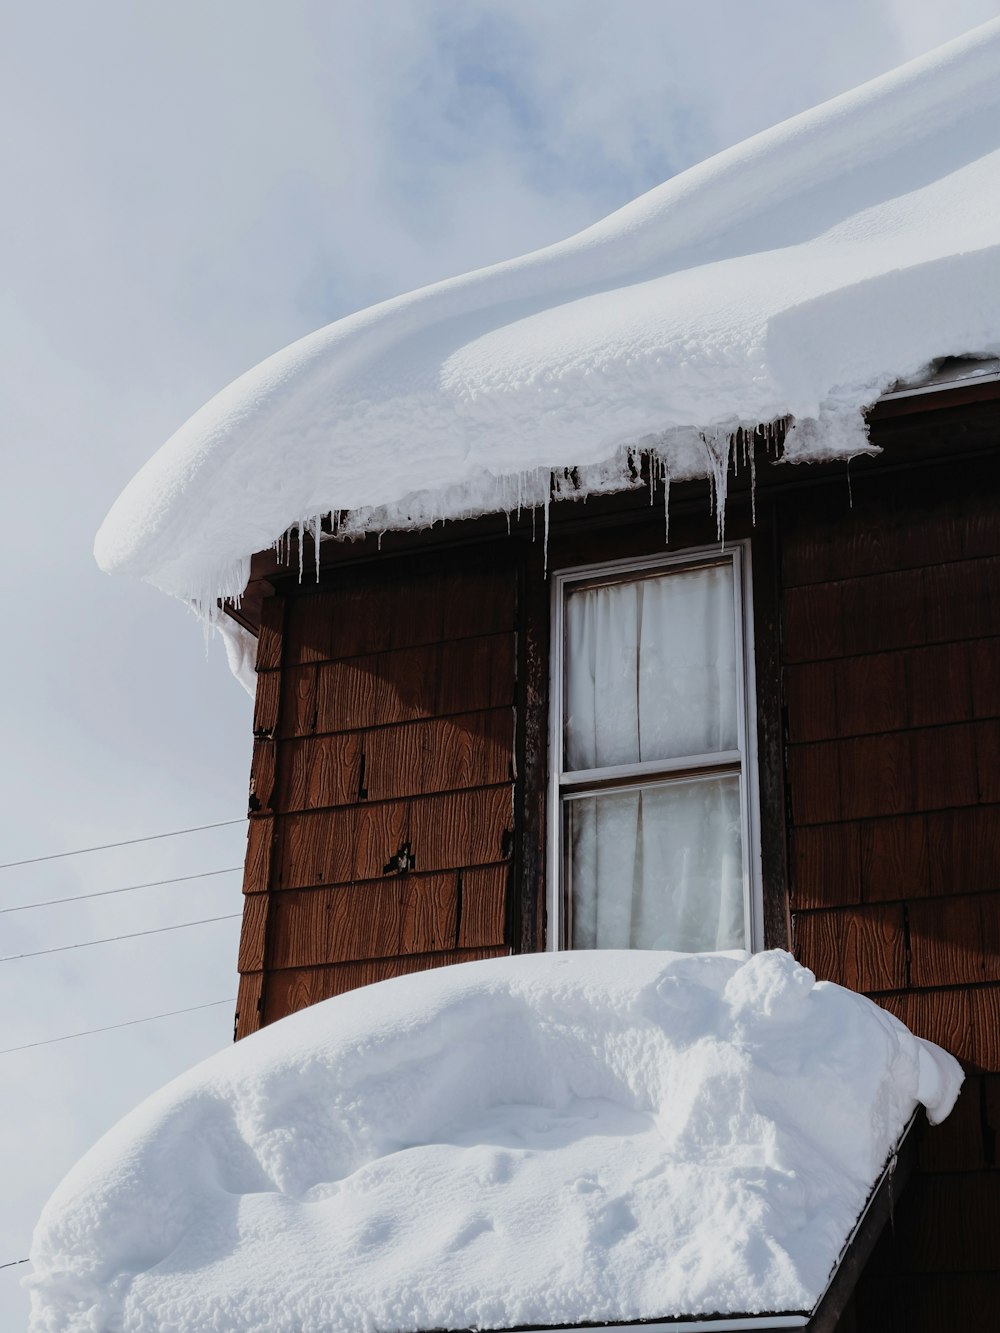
(771,779)
(528,921)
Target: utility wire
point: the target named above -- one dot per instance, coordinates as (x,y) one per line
(128,888)
(111,1027)
(112,939)
(128,842)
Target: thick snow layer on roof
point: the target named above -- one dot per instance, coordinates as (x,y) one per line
(799,273)
(544,1139)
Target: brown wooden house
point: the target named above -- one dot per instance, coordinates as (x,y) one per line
(764,714)
(464,735)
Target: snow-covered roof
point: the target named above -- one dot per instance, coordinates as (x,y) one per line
(797,274)
(547,1139)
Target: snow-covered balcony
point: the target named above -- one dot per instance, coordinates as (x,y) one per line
(562,1139)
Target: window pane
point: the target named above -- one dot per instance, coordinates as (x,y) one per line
(650,669)
(657,867)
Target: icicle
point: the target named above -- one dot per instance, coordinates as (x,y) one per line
(317,529)
(666,506)
(722,491)
(652,476)
(753,483)
(850,492)
(718,460)
(302,553)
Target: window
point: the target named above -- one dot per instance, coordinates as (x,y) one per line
(654,805)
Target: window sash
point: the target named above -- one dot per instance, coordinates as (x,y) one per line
(623,916)
(630,775)
(566,785)
(649,666)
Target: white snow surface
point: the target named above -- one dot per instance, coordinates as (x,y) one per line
(551,1138)
(799,273)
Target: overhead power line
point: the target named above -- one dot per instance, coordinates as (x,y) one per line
(113,939)
(14,1262)
(127,842)
(128,888)
(111,1027)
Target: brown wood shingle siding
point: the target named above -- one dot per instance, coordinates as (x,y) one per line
(291,989)
(383,784)
(891,667)
(402,715)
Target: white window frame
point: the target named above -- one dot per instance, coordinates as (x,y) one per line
(743,760)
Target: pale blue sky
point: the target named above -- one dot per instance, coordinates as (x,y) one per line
(187,188)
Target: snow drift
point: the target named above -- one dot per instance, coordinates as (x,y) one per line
(543,1139)
(798,274)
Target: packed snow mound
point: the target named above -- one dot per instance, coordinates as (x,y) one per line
(535,1140)
(799,274)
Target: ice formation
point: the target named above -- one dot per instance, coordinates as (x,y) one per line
(795,275)
(544,1139)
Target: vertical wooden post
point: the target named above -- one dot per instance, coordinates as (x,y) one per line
(766,556)
(531,855)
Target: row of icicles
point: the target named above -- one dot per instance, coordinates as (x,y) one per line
(535,489)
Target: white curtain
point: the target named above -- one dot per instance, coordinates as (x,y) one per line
(651,674)
(658,867)
(650,669)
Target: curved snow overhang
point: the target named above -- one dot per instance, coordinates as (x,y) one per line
(922,408)
(795,276)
